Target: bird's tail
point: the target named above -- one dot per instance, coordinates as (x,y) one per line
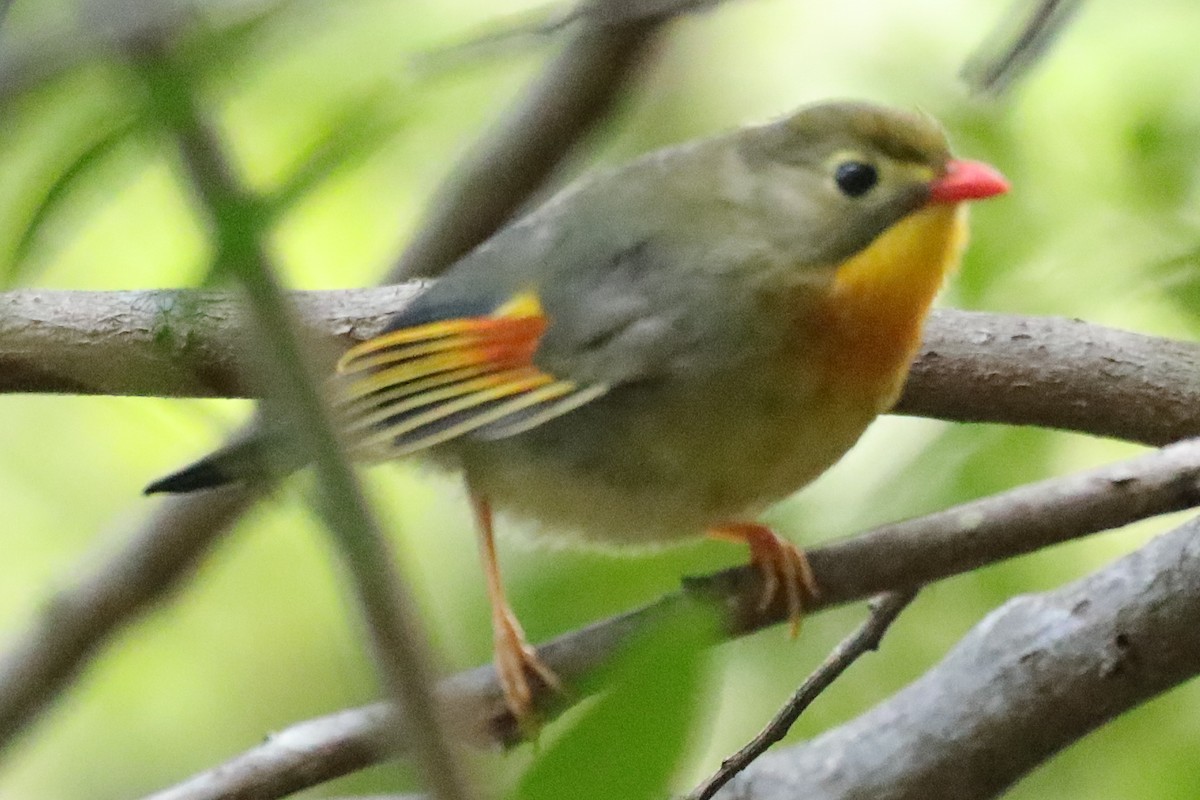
(250,461)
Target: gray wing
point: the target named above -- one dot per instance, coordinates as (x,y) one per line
(626,301)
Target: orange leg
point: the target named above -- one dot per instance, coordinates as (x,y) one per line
(781,563)
(517,663)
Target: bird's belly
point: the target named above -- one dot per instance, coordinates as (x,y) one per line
(638,471)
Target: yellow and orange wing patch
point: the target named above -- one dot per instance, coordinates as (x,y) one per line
(412,388)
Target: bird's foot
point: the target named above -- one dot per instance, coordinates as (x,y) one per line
(783,566)
(521,672)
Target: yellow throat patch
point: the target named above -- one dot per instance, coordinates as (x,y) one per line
(881,296)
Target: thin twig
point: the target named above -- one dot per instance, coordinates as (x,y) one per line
(883,612)
(892,558)
(402,654)
(993,73)
(504,35)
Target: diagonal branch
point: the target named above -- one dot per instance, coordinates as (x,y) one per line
(883,612)
(891,558)
(1035,676)
(401,649)
(576,91)
(78,620)
(608,47)
(1009,55)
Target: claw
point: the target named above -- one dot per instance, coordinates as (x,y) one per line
(519,669)
(783,566)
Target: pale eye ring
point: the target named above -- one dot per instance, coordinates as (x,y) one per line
(855,178)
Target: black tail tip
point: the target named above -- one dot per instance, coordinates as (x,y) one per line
(203,475)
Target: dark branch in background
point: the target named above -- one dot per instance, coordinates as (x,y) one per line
(1012,50)
(77,621)
(42,58)
(883,612)
(974,366)
(891,558)
(511,33)
(178,533)
(5,5)
(1036,675)
(575,91)
(401,649)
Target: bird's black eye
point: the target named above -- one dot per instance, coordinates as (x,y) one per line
(855,178)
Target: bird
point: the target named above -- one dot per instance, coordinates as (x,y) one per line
(664,349)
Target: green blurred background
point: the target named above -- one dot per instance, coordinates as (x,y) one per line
(1102,144)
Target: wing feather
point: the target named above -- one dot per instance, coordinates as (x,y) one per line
(412,388)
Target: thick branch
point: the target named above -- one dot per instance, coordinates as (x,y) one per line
(1055,373)
(1035,676)
(173,343)
(979,367)
(894,557)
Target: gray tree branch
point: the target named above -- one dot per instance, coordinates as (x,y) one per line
(895,557)
(1055,373)
(1036,675)
(977,367)
(77,621)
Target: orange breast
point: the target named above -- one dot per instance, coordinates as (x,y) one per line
(873,315)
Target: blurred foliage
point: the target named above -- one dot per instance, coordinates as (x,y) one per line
(628,741)
(332,121)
